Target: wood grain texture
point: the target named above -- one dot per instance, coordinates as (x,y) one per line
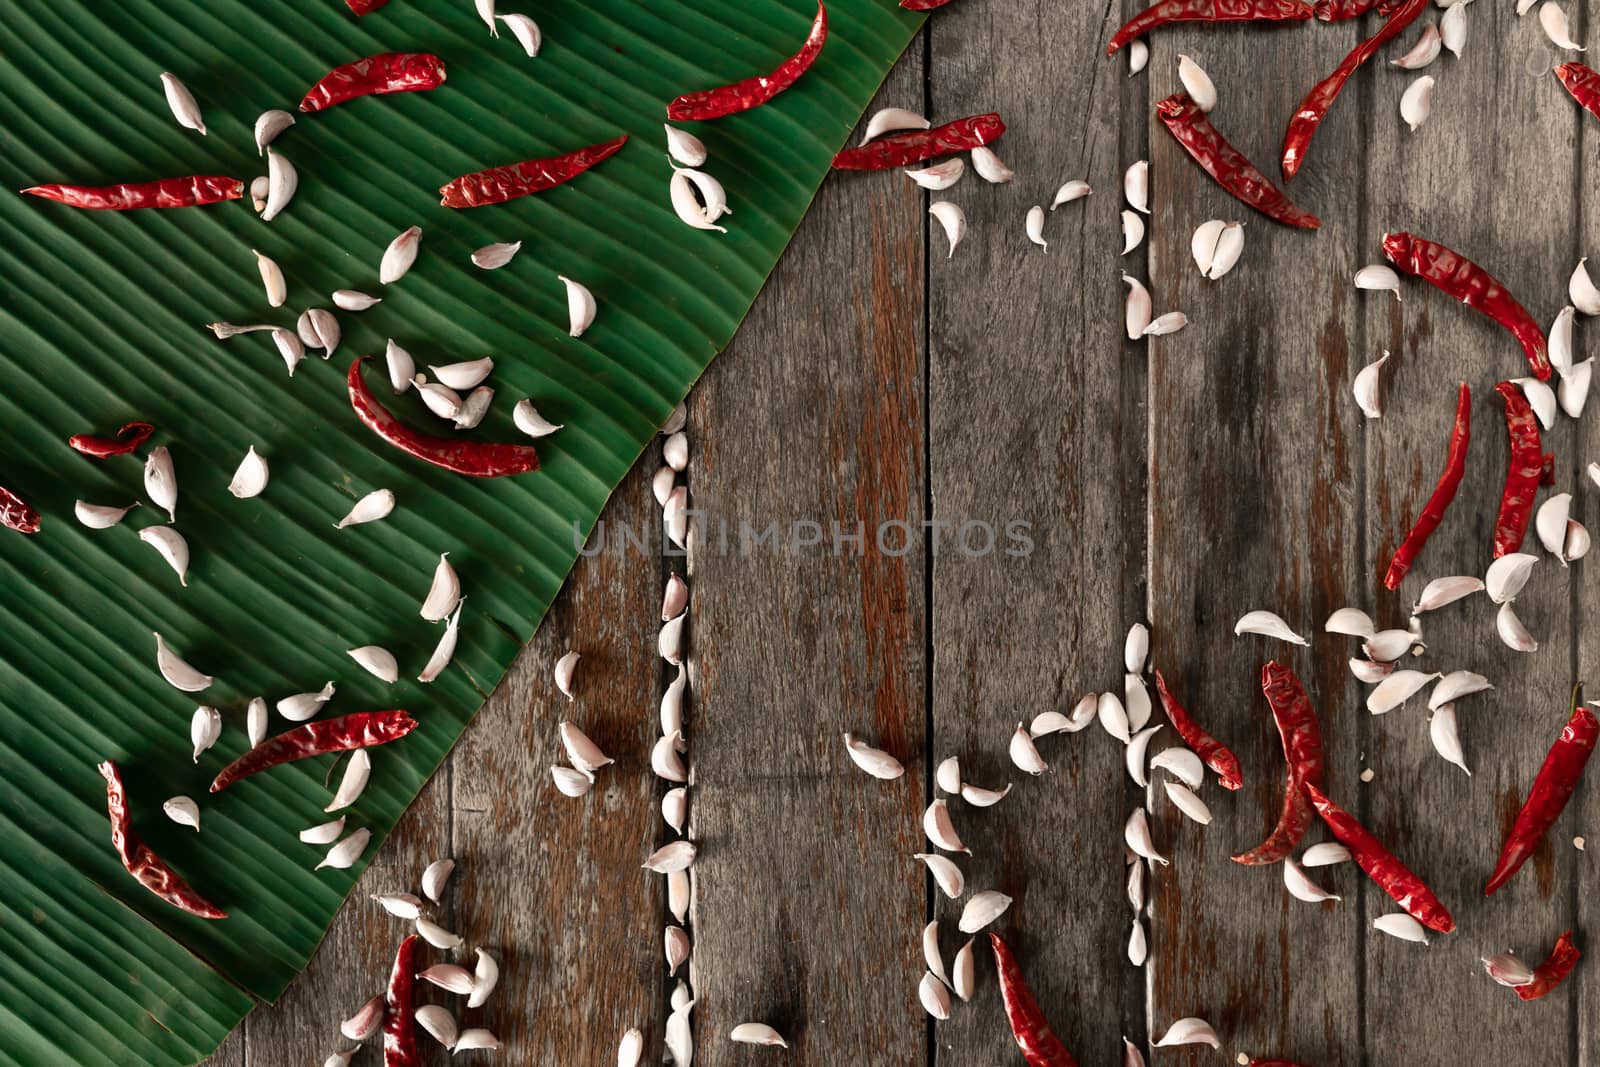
(1584,998)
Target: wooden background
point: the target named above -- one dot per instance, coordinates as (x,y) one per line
(1185,480)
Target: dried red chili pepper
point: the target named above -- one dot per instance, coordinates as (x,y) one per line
(477,459)
(1340,10)
(914,146)
(499,184)
(1522,475)
(1169,11)
(1302,750)
(400,1009)
(922,5)
(1455,465)
(151,870)
(753,92)
(1584,85)
(1391,876)
(1314,108)
(386,72)
(130,437)
(1193,130)
(1552,788)
(1039,1044)
(364,7)
(189,191)
(1455,275)
(1547,469)
(363,729)
(1212,752)
(16,513)
(1553,970)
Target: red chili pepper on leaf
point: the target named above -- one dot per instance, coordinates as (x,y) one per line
(387,72)
(1169,11)
(130,437)
(476,459)
(1455,465)
(363,729)
(752,92)
(922,5)
(1455,275)
(1039,1044)
(1302,750)
(499,184)
(166,192)
(1391,876)
(364,7)
(913,146)
(1314,108)
(1584,85)
(1553,970)
(151,870)
(400,1009)
(16,513)
(1193,130)
(1523,473)
(1212,752)
(1552,788)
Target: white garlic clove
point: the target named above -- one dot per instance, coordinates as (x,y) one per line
(678,1038)
(1325,855)
(205,727)
(1132,231)
(1300,885)
(290,348)
(1396,689)
(1182,764)
(1267,624)
(1133,755)
(486,13)
(437,1022)
(1138,944)
(1189,1031)
(930,952)
(1399,924)
(583,753)
(255,718)
(1138,57)
(1070,191)
(161,481)
(983,909)
(526,32)
(1560,340)
(1582,291)
(1512,633)
(1171,322)
(1352,622)
(1416,103)
(450,977)
(874,761)
(463,376)
(666,761)
(685,147)
(677,420)
(376,661)
(402,368)
(1576,545)
(1541,398)
(442,400)
(268,125)
(529,421)
(1553,20)
(344,855)
(934,996)
(940,175)
(989,166)
(890,119)
(1455,685)
(436,935)
(476,1038)
(443,592)
(282,181)
(686,204)
(399,256)
(1184,799)
(1230,246)
(1113,716)
(302,706)
(489,257)
(1203,244)
(946,875)
(1424,52)
(675,808)
(1508,970)
(400,905)
(1136,186)
(1453,27)
(435,876)
(1024,753)
(182,103)
(176,671)
(1137,873)
(1131,1056)
(354,300)
(1574,388)
(669,642)
(272,279)
(581,307)
(980,797)
(672,704)
(1378,278)
(964,972)
(940,830)
(675,451)
(1369,671)
(1366,387)
(1033,225)
(566,669)
(100,516)
(676,856)
(953,220)
(324,328)
(183,811)
(353,783)
(251,476)
(1507,575)
(571,783)
(1446,740)
(630,1050)
(370,508)
(365,1022)
(757,1034)
(1138,308)
(326,833)
(1441,591)
(1136,834)
(678,894)
(674,599)
(260,186)
(1136,648)
(1197,83)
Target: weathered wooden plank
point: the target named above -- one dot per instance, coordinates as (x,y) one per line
(1037,418)
(1254,503)
(1585,820)
(1435,182)
(809,906)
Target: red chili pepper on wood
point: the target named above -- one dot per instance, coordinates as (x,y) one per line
(1455,275)
(1553,970)
(914,146)
(1193,130)
(476,459)
(130,437)
(151,870)
(1212,752)
(1039,1044)
(400,1009)
(1339,10)
(1584,85)
(1522,475)
(499,184)
(1302,750)
(363,729)
(1547,470)
(753,92)
(387,72)
(16,513)
(1314,108)
(1552,788)
(1169,11)
(1455,465)
(190,191)
(1392,876)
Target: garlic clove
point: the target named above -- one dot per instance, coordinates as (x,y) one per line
(569,782)
(376,661)
(1300,885)
(1514,635)
(1325,855)
(1132,231)
(1184,799)
(1574,388)
(566,668)
(1136,648)
(1267,624)
(1453,27)
(476,1038)
(486,13)
(1138,944)
(669,642)
(675,808)
(685,147)
(1137,310)
(354,300)
(890,119)
(1378,278)
(1441,591)
(930,952)
(1203,244)
(402,368)
(365,1022)
(183,811)
(176,671)
(436,935)
(1401,925)
(442,400)
(1084,712)
(874,761)
(182,103)
(400,905)
(356,775)
(1541,398)
(255,718)
(370,508)
(282,181)
(100,516)
(1366,387)
(1070,191)
(344,855)
(946,875)
(675,451)
(678,1039)
(529,421)
(677,856)
(1230,246)
(1137,873)
(437,1022)
(1131,1056)
(1182,764)
(666,761)
(672,704)
(399,256)
(1171,322)
(1197,83)
(251,476)
(1034,226)
(674,599)
(1113,717)
(1506,969)
(1189,1031)
(1552,19)
(1455,685)
(450,977)
(934,996)
(989,166)
(1560,340)
(980,797)
(1424,52)
(1024,753)
(326,834)
(260,187)
(1576,545)
(526,32)
(1138,57)
(1582,291)
(940,830)
(318,328)
(1049,722)
(1416,103)
(757,1034)
(463,376)
(1446,740)
(443,593)
(161,481)
(983,909)
(1352,622)
(953,220)
(581,307)
(1134,754)
(678,894)
(940,175)
(686,204)
(489,257)
(677,420)
(268,125)
(290,348)
(302,706)
(1369,671)
(272,279)
(964,972)
(1387,646)
(1136,186)
(1507,575)
(1396,689)
(1136,834)
(205,727)
(583,753)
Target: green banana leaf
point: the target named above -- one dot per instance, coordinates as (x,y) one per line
(102,321)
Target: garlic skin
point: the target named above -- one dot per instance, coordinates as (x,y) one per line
(1132,231)
(1070,191)
(526,32)
(1136,186)
(443,593)
(399,256)
(356,775)
(1446,740)
(1366,386)
(891,119)
(161,481)
(1137,310)
(581,307)
(874,761)
(1553,20)
(953,220)
(182,103)
(1197,83)
(946,875)
(939,176)
(1399,924)
(685,147)
(282,181)
(1424,52)
(370,508)
(1267,624)
(176,671)
(268,125)
(251,477)
(1378,278)
(99,516)
(989,166)
(1034,226)
(526,417)
(1416,103)
(1582,291)
(205,727)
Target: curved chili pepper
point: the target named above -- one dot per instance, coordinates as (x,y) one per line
(1455,275)
(1302,750)
(1339,10)
(499,184)
(1455,465)
(151,870)
(476,459)
(1193,130)
(1584,85)
(753,92)
(130,437)
(386,72)
(1314,108)
(364,7)
(1212,752)
(1039,1044)
(363,729)
(16,513)
(1169,11)
(400,1009)
(1552,788)
(190,191)
(1522,475)
(914,146)
(1553,970)
(1391,876)
(1547,470)
(922,5)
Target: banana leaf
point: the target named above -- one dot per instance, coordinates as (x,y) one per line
(102,319)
